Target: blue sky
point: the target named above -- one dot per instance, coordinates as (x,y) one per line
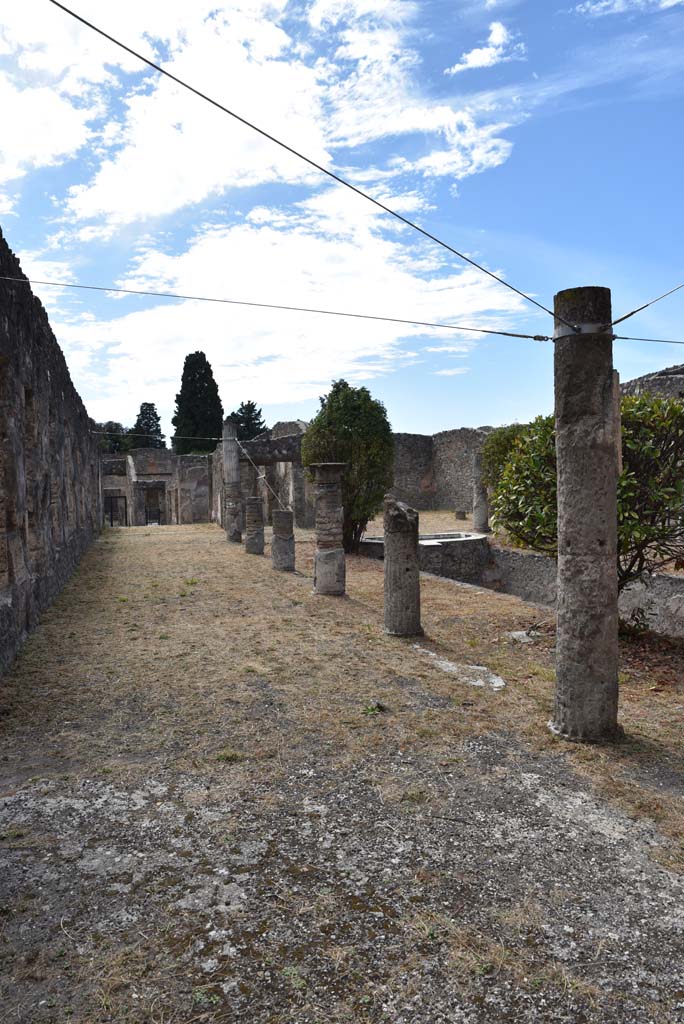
(543,138)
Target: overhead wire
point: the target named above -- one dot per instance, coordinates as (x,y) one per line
(312,163)
(260,476)
(311,309)
(645,306)
(273,305)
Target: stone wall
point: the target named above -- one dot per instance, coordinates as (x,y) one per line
(435,472)
(452,467)
(194,482)
(667,383)
(49,463)
(151,479)
(413,475)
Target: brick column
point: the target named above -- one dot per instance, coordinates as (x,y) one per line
(254,526)
(283,543)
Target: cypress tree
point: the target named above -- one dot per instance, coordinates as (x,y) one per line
(146,431)
(248,420)
(199,413)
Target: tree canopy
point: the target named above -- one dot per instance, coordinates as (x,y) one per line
(198,419)
(650,488)
(352,427)
(146,431)
(248,420)
(112,437)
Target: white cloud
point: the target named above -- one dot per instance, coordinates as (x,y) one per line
(454,372)
(155,149)
(598,8)
(500,49)
(331,12)
(39,129)
(276,356)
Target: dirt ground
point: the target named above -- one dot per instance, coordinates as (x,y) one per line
(225,799)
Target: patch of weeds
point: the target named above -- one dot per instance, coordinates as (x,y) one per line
(374,707)
(231,757)
(192,582)
(122,600)
(182,593)
(13,833)
(164,636)
(292,975)
(205,997)
(414,796)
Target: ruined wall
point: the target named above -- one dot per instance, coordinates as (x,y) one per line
(414,481)
(668,383)
(194,482)
(278,458)
(49,463)
(452,467)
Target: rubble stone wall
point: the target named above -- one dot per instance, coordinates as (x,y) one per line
(414,481)
(50,505)
(667,383)
(452,466)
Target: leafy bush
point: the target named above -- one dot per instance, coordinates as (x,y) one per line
(650,488)
(496,451)
(351,426)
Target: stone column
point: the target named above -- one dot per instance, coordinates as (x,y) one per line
(231,483)
(254,526)
(329,563)
(283,543)
(587,633)
(480,497)
(402,576)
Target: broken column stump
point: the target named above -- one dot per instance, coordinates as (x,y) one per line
(329,561)
(586,434)
(254,526)
(283,543)
(231,483)
(402,575)
(480,497)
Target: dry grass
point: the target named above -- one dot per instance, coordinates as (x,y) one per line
(172,649)
(165,633)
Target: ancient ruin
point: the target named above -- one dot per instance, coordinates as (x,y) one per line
(49,466)
(329,562)
(283,541)
(402,573)
(254,526)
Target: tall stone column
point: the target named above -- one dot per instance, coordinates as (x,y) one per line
(402,575)
(231,483)
(254,526)
(329,563)
(586,432)
(480,497)
(283,543)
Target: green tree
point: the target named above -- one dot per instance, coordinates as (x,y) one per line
(351,426)
(146,431)
(650,488)
(199,414)
(112,437)
(248,420)
(496,450)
